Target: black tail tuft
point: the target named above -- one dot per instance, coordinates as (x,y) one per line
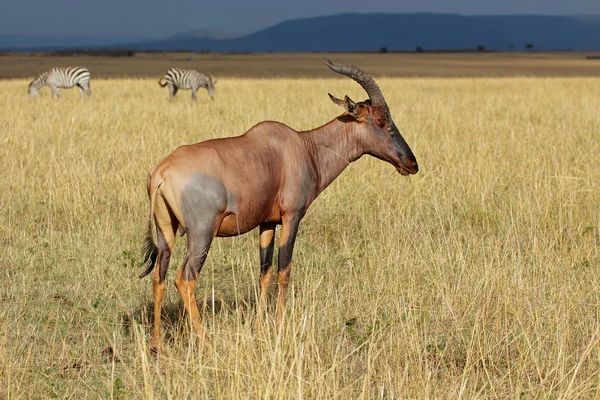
(149,252)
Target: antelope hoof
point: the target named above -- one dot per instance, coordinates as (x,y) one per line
(154,350)
(203,341)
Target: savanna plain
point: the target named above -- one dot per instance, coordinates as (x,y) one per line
(476,278)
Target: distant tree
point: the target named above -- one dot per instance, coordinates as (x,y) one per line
(481,48)
(529,46)
(419,49)
(383,50)
(511,46)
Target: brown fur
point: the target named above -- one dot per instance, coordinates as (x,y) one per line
(269,175)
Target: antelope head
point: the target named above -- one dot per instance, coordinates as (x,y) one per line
(383,139)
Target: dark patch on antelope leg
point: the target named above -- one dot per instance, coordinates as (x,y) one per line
(165,235)
(164,255)
(203,200)
(289,229)
(267,245)
(199,240)
(197,252)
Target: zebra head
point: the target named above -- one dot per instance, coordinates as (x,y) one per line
(33,89)
(210,86)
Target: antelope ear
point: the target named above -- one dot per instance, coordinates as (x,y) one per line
(347,104)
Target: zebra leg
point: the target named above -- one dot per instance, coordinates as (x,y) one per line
(81,91)
(194,94)
(172,91)
(55,91)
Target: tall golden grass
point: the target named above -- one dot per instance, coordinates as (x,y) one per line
(476,278)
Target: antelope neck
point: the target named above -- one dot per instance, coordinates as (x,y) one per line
(333,147)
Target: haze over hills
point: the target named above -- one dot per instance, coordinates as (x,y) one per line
(34,42)
(370,32)
(203,34)
(16,42)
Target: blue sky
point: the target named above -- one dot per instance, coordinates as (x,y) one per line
(155,19)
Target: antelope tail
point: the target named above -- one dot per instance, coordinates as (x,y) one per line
(149,248)
(160,82)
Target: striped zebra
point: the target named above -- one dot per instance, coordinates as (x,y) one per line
(62,77)
(177,79)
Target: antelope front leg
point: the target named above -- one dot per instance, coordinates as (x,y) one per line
(287,238)
(267,244)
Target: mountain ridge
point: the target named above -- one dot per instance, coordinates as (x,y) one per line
(29,41)
(370,32)
(351,32)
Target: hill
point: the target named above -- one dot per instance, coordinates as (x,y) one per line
(361,32)
(40,42)
(369,32)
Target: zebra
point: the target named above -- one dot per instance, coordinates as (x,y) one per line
(177,79)
(62,77)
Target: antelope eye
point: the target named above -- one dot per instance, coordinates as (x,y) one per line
(381,122)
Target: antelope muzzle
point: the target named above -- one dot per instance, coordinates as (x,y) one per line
(408,166)
(407,162)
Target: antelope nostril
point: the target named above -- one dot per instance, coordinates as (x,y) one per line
(410,164)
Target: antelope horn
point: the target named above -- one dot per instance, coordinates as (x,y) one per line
(364,80)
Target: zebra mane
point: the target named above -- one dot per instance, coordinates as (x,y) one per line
(211,79)
(40,80)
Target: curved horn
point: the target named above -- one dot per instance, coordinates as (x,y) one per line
(364,80)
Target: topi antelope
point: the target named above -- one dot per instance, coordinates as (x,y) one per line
(266,177)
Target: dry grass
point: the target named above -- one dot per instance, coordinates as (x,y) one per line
(298,65)
(476,278)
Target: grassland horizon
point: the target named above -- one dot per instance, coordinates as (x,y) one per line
(310,65)
(476,278)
